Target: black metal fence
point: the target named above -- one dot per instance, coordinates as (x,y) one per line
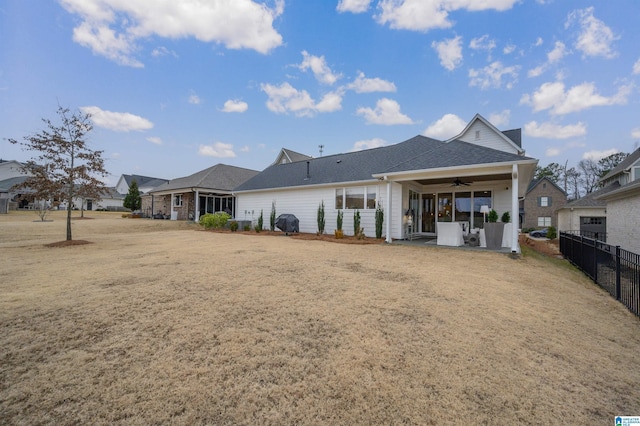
(600,236)
(612,268)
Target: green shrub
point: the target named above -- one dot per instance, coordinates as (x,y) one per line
(320,218)
(356,222)
(492,216)
(257,228)
(233,226)
(247,228)
(506,217)
(260,222)
(339,220)
(214,220)
(552,233)
(379,221)
(272,218)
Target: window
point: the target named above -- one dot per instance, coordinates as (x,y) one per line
(477,134)
(356,198)
(544,201)
(592,221)
(636,173)
(339,198)
(544,221)
(177,200)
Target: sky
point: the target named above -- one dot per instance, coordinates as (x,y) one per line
(176,86)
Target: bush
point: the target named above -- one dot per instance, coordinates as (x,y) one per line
(506,217)
(215,220)
(247,228)
(339,220)
(320,218)
(257,228)
(379,221)
(272,218)
(233,226)
(260,222)
(492,216)
(552,233)
(356,222)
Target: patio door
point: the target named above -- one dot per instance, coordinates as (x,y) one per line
(429,213)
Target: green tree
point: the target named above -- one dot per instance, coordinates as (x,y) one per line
(132,200)
(65,167)
(608,163)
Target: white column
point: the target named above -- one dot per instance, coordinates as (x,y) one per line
(389,211)
(515,209)
(196,214)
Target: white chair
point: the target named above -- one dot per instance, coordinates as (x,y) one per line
(449,234)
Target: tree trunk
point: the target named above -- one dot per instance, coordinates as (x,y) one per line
(69,221)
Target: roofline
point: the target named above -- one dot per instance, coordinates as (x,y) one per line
(547,178)
(186,189)
(519,149)
(620,192)
(467,167)
(313,185)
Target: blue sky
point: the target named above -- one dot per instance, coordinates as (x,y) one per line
(177,86)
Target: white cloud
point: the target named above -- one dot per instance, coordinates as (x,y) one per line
(195,99)
(368,85)
(286,98)
(386,112)
(635,133)
(552,152)
(420,15)
(509,49)
(319,67)
(500,119)
(554,131)
(245,149)
(448,126)
(449,52)
(492,76)
(583,96)
(482,43)
(218,150)
(594,38)
(233,105)
(538,42)
(155,140)
(112,28)
(558,52)
(636,67)
(163,51)
(368,144)
(596,155)
(116,121)
(353,6)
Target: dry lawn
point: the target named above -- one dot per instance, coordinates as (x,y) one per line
(157,322)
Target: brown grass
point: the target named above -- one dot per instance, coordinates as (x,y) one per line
(157,322)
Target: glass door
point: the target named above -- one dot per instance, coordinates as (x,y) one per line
(428,213)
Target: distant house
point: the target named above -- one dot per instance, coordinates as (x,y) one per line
(145,183)
(287,156)
(587,215)
(422,181)
(11,173)
(541,204)
(207,191)
(623,203)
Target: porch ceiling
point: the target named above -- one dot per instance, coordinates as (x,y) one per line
(466,179)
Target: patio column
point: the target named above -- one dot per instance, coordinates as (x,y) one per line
(389,210)
(515,210)
(196,214)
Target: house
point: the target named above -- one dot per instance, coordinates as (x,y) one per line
(623,203)
(587,215)
(145,183)
(288,156)
(421,181)
(11,173)
(207,191)
(541,203)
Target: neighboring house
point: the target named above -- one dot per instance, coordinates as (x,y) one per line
(287,156)
(207,191)
(542,201)
(421,180)
(145,183)
(11,173)
(587,215)
(623,203)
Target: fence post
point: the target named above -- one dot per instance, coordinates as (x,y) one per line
(618,295)
(595,260)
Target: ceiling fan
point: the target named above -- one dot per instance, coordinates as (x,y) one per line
(458,182)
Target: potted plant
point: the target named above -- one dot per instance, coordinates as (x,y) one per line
(493,231)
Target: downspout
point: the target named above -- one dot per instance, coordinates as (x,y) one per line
(389,210)
(515,210)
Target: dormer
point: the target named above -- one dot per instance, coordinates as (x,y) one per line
(482,133)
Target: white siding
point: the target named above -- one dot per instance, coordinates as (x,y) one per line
(304,203)
(622,223)
(10,169)
(488,138)
(122,187)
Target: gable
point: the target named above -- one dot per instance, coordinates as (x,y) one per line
(482,133)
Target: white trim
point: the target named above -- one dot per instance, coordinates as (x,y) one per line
(492,127)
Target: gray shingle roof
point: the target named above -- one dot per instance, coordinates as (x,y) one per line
(5,185)
(144,180)
(220,177)
(535,183)
(624,164)
(515,135)
(417,153)
(591,200)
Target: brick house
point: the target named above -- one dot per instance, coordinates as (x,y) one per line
(541,203)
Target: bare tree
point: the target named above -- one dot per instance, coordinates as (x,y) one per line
(65,167)
(590,174)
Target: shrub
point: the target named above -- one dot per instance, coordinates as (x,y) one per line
(272,218)
(339,220)
(260,222)
(257,228)
(506,217)
(321,218)
(215,220)
(360,234)
(233,226)
(552,234)
(356,222)
(247,228)
(379,221)
(492,216)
